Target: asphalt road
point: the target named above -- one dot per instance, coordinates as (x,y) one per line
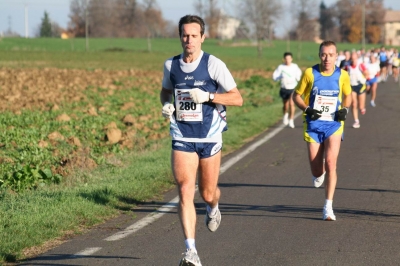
(271,213)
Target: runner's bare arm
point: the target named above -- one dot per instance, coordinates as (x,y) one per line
(230,98)
(299,101)
(165,96)
(346,101)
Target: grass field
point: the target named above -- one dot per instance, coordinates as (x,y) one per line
(133,53)
(57,186)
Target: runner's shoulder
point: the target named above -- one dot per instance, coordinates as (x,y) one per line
(215,61)
(309,72)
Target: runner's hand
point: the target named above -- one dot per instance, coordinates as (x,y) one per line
(312,113)
(199,96)
(168,109)
(341,114)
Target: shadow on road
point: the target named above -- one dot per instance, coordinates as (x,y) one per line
(61,257)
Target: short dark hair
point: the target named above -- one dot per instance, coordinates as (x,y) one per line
(326,43)
(287,53)
(191,19)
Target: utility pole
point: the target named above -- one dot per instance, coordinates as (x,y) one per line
(26,22)
(87,25)
(9,25)
(363,25)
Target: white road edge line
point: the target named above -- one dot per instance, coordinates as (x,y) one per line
(86,252)
(174,202)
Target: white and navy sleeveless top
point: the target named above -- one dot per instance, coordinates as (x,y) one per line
(193,122)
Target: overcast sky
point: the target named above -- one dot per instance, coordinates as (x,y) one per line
(12,12)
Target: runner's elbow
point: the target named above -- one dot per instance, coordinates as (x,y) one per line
(239,101)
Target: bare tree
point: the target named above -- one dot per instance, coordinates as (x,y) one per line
(374,20)
(155,24)
(56,29)
(326,21)
(211,13)
(307,24)
(77,18)
(101,17)
(349,16)
(118,18)
(260,14)
(199,6)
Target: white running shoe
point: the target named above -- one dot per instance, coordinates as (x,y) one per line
(213,222)
(327,214)
(286,119)
(373,104)
(291,123)
(318,181)
(190,258)
(356,124)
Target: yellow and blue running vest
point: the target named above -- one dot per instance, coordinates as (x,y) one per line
(317,88)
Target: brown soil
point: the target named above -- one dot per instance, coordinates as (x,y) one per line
(47,88)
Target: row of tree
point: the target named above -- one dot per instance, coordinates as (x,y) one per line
(118,18)
(344,20)
(341,21)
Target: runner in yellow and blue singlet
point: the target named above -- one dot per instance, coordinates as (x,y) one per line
(324,94)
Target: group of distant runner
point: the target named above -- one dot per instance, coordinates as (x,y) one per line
(366,69)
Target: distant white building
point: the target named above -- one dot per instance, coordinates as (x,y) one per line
(227,27)
(392,27)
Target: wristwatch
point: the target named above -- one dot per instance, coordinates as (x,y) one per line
(211,97)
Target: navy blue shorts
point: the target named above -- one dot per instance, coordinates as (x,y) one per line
(359,89)
(383,64)
(285,93)
(203,149)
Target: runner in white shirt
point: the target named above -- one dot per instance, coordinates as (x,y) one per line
(340,57)
(363,57)
(289,75)
(357,73)
(373,70)
(394,59)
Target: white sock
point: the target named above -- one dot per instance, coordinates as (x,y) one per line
(190,243)
(212,211)
(328,204)
(321,175)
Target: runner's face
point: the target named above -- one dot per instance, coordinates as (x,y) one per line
(354,59)
(328,56)
(191,38)
(288,60)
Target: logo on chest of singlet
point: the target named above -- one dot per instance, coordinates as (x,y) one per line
(200,82)
(329,92)
(189,77)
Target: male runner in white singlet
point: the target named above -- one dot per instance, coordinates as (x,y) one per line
(195,89)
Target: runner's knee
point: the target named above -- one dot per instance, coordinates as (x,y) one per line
(208,195)
(330,165)
(186,192)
